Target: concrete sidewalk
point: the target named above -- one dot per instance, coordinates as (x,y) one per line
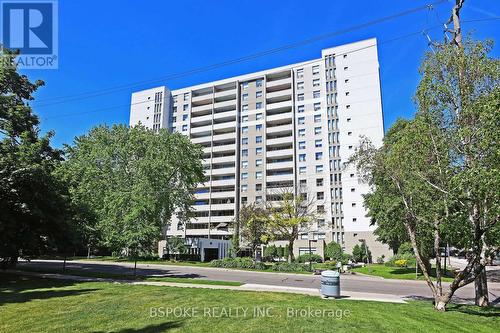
(349,295)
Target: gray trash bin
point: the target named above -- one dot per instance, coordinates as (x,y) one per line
(330,283)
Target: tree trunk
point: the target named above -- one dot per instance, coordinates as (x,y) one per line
(64,264)
(88,252)
(481,288)
(291,257)
(135,268)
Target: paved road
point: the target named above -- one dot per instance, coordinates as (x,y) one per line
(355,283)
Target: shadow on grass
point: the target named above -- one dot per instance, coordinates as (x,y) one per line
(475,310)
(21,289)
(150,328)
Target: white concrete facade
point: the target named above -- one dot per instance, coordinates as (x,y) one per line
(294,126)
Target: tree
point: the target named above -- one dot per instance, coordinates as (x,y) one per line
(271,252)
(361,253)
(176,245)
(280,252)
(252,225)
(333,251)
(35,214)
(289,214)
(132,180)
(439,171)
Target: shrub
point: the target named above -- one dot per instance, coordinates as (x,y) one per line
(359,253)
(330,264)
(405,248)
(333,251)
(270,252)
(410,260)
(290,267)
(380,260)
(401,263)
(309,258)
(245,262)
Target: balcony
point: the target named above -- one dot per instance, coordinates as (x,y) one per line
(225,206)
(202,139)
(201,129)
(280,153)
(224,105)
(223,159)
(223,171)
(282,129)
(280,107)
(279,84)
(226,125)
(279,141)
(279,165)
(221,195)
(230,147)
(225,136)
(202,120)
(202,99)
(220,219)
(279,96)
(226,95)
(201,109)
(223,182)
(280,178)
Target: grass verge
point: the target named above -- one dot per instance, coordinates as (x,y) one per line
(66,306)
(400,273)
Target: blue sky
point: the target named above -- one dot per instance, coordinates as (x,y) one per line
(105,44)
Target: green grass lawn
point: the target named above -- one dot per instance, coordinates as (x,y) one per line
(29,304)
(80,272)
(393,272)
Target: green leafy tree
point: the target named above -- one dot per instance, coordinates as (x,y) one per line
(35,215)
(361,253)
(333,251)
(252,225)
(289,215)
(132,180)
(271,252)
(280,252)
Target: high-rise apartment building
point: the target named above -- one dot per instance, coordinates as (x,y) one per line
(293,126)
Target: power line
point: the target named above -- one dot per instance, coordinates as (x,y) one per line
(412,34)
(95,93)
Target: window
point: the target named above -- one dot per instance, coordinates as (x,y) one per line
(244,188)
(347,106)
(258,105)
(185,107)
(244,164)
(175,109)
(319,182)
(302,132)
(244,108)
(318,143)
(300,85)
(174,119)
(347,93)
(244,141)
(244,130)
(301,120)
(258,199)
(317,106)
(319,168)
(258,94)
(245,97)
(354,219)
(258,175)
(303,182)
(184,128)
(353,189)
(244,175)
(350,147)
(258,116)
(302,170)
(316,94)
(346,81)
(244,200)
(300,97)
(300,108)
(302,157)
(317,130)
(258,83)
(258,128)
(258,151)
(302,145)
(349,133)
(320,195)
(348,120)
(258,139)
(244,85)
(316,83)
(258,162)
(300,73)
(353,204)
(351,175)
(315,69)
(244,152)
(186,96)
(184,117)
(244,119)
(346,68)
(174,99)
(319,156)
(317,118)
(258,187)
(320,209)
